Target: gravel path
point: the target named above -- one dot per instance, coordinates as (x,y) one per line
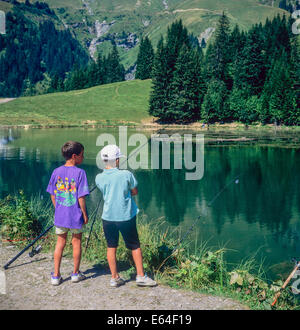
(28,287)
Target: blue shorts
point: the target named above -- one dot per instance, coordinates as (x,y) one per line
(128,230)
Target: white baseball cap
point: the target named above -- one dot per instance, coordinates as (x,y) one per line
(111,152)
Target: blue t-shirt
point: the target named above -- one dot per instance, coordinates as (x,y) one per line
(115,186)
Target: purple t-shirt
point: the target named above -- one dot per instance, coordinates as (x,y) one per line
(67,184)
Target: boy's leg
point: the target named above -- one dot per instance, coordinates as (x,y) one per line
(60,245)
(111,234)
(76,242)
(112,261)
(132,242)
(138,261)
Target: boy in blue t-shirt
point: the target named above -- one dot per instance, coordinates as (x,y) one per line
(119,214)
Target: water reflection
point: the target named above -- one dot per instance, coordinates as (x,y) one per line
(7,136)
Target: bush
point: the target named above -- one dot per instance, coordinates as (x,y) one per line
(16,218)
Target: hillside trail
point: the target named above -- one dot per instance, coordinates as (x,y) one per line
(27,287)
(5,100)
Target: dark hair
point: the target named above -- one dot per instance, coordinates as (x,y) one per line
(70,148)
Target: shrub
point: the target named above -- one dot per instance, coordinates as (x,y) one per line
(16,218)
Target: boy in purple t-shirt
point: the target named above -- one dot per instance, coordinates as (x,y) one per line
(68,187)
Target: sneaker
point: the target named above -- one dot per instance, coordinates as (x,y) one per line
(144,281)
(77,277)
(115,282)
(55,280)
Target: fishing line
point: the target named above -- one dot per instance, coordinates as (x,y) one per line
(125,160)
(236,181)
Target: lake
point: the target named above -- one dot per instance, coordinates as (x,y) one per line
(258,215)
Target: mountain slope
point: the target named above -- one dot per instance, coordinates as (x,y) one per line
(100,21)
(96,23)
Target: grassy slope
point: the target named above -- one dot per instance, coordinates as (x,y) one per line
(112,103)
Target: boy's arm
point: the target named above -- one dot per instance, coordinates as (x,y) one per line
(53,200)
(81,201)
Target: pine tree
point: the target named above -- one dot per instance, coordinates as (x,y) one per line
(158,99)
(278,97)
(115,70)
(295,67)
(237,102)
(54,83)
(92,74)
(187,88)
(249,69)
(164,67)
(249,113)
(100,70)
(215,107)
(219,56)
(177,36)
(144,60)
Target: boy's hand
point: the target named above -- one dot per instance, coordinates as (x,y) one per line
(134,191)
(81,201)
(85,220)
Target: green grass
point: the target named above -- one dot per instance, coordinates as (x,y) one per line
(123,102)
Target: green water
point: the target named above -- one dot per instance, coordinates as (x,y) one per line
(258,216)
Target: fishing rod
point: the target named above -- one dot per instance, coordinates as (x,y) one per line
(95,218)
(34,250)
(236,181)
(277,295)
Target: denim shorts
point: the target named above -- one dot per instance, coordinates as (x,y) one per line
(128,230)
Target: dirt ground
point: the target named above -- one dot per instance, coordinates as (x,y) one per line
(26,286)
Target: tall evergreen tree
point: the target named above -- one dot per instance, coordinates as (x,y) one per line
(278,100)
(249,69)
(159,86)
(187,88)
(114,69)
(144,60)
(164,67)
(215,106)
(219,55)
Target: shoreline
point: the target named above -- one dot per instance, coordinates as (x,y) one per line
(155,126)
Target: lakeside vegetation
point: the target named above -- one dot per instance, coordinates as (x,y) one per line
(201,269)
